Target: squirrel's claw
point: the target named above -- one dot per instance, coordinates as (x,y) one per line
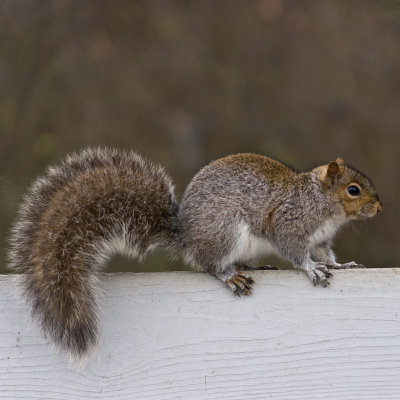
(240,284)
(349,265)
(319,275)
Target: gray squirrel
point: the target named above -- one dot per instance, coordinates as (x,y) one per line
(237,208)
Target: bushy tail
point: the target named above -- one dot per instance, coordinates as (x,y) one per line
(98,202)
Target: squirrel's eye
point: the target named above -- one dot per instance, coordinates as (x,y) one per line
(353,190)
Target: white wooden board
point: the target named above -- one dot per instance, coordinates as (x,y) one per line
(184,335)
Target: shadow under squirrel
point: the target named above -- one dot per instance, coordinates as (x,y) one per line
(102,201)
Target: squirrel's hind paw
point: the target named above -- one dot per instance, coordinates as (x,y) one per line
(240,284)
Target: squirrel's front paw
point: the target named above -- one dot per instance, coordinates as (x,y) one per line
(319,275)
(349,265)
(240,284)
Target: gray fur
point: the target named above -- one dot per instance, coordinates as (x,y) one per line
(277,204)
(102,201)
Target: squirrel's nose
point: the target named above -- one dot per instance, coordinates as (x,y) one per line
(379,206)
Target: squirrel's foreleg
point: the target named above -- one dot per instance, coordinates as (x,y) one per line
(295,249)
(323,254)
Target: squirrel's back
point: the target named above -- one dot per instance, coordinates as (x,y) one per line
(98,202)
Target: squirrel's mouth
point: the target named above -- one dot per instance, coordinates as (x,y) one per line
(371,210)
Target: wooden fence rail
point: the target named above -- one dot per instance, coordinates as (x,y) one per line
(183,335)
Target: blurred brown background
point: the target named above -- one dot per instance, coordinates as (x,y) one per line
(184,82)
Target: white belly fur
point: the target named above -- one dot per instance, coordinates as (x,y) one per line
(248,246)
(326,231)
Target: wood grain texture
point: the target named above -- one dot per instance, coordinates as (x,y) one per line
(183,335)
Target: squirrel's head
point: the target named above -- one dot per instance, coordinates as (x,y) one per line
(351,188)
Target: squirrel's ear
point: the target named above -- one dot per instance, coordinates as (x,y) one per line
(340,161)
(333,169)
(328,173)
